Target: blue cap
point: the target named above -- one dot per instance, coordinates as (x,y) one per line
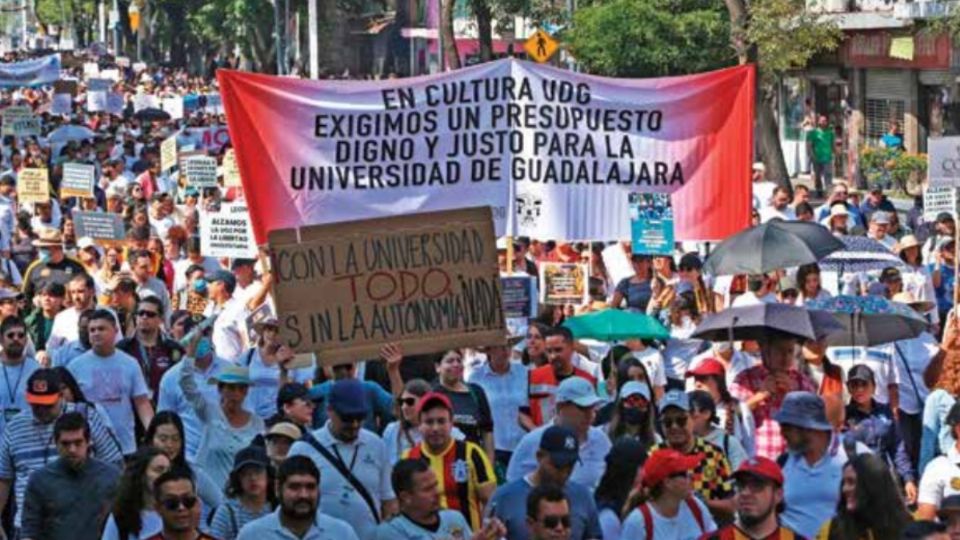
(562,445)
(348,396)
(229,281)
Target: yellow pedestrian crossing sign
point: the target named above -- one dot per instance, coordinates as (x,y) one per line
(540,46)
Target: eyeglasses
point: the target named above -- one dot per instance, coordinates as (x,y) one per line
(551,522)
(15,335)
(172,504)
(679,421)
(408,401)
(147,314)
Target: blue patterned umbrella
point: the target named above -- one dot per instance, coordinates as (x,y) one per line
(870,320)
(861,254)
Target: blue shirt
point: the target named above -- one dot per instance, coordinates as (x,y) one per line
(936,438)
(877,430)
(269,528)
(509,505)
(945,291)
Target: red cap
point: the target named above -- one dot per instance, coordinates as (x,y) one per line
(666,462)
(762,467)
(710,366)
(431,397)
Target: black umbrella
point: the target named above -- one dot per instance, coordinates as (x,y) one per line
(758,321)
(770,246)
(152,114)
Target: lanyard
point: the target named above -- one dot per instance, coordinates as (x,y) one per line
(353,461)
(11,393)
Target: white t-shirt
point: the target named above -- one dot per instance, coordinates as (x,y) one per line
(940,479)
(917,353)
(652,361)
(112,381)
(683,526)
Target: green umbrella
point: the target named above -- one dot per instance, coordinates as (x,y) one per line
(616,325)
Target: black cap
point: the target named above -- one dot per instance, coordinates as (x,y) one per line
(290,392)
(237,263)
(251,455)
(54,289)
(627,450)
(691,260)
(562,445)
(43,387)
(890,274)
(861,372)
(944,216)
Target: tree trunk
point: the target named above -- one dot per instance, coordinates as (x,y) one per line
(766,129)
(449,40)
(484,15)
(177,22)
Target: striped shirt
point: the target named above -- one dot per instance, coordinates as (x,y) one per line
(231,516)
(462,469)
(27,445)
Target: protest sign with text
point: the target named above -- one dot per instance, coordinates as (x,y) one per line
(231,174)
(651,224)
(33,186)
(227,233)
(168,153)
(77,180)
(201,171)
(426,281)
(564,283)
(104,227)
(943,162)
(553,152)
(518,294)
(61,104)
(20,121)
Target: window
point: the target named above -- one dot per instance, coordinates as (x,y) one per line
(879,114)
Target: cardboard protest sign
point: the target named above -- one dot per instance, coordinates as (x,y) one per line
(103,227)
(943,162)
(651,224)
(227,233)
(33,186)
(231,174)
(426,281)
(77,180)
(66,86)
(20,122)
(564,283)
(554,152)
(201,171)
(168,153)
(61,104)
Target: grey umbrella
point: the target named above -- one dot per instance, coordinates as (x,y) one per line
(870,320)
(758,321)
(770,246)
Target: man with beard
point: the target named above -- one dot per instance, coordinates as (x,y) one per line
(298,488)
(175,499)
(563,364)
(16,369)
(72,349)
(71,496)
(759,502)
(355,479)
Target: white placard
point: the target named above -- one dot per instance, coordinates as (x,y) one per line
(201,171)
(227,233)
(943,161)
(77,180)
(61,104)
(937,200)
(96,101)
(145,101)
(174,107)
(617,263)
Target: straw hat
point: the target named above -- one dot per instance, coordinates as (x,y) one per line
(908,241)
(910,300)
(48,238)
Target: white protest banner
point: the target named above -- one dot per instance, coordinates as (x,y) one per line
(43,70)
(206,138)
(552,151)
(937,200)
(77,180)
(91,70)
(168,153)
(104,227)
(66,44)
(61,104)
(97,101)
(231,174)
(201,171)
(33,186)
(145,101)
(173,106)
(20,121)
(227,233)
(943,161)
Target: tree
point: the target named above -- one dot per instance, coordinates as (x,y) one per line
(648,38)
(449,51)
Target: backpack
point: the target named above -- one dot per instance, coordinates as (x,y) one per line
(648,516)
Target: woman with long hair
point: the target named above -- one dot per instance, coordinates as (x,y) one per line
(534,354)
(636,288)
(808,281)
(249,494)
(133,516)
(403,433)
(634,416)
(691,272)
(680,349)
(166,433)
(471,409)
(622,476)
(918,278)
(870,506)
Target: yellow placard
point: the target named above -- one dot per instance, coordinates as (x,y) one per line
(540,46)
(33,186)
(168,153)
(902,48)
(231,173)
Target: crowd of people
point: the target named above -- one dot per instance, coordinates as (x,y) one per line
(141,399)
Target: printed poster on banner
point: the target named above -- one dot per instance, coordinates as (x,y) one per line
(231,174)
(937,200)
(263,312)
(518,294)
(428,282)
(651,224)
(943,162)
(564,284)
(33,186)
(206,138)
(105,228)
(552,151)
(168,153)
(78,179)
(227,233)
(20,121)
(201,171)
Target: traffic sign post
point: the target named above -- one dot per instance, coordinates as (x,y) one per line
(540,46)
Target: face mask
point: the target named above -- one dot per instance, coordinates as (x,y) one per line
(686,321)
(43,254)
(634,416)
(204,348)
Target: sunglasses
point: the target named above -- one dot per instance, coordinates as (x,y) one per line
(15,335)
(147,314)
(353,418)
(679,422)
(551,522)
(408,401)
(172,504)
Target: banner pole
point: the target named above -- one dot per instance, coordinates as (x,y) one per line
(509,254)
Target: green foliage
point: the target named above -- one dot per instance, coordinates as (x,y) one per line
(786,35)
(886,166)
(54,12)
(644,38)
